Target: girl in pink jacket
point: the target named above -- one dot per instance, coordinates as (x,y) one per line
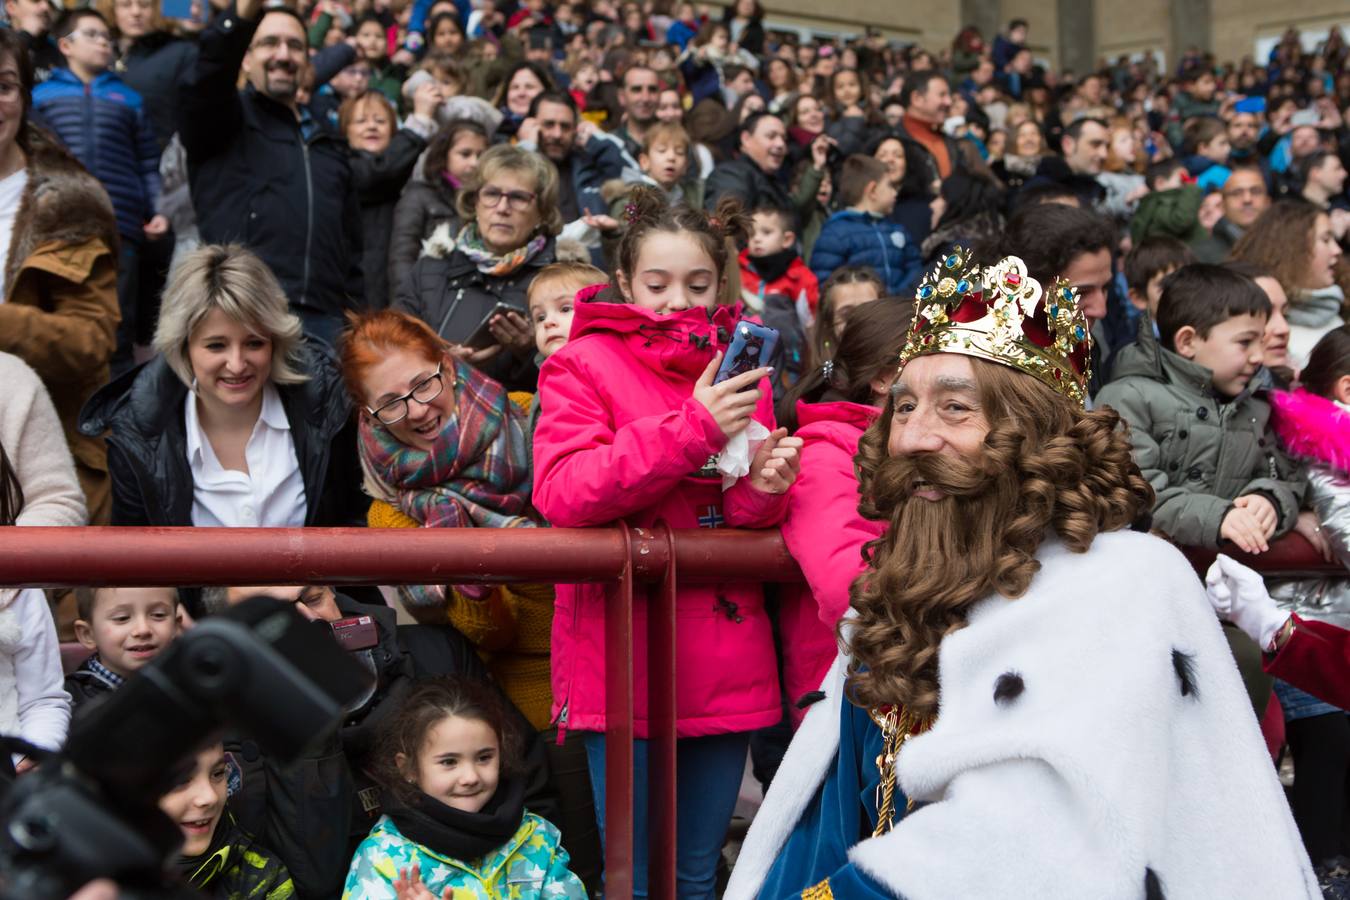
(832,408)
(631,426)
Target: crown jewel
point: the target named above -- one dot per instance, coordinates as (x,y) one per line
(1001,314)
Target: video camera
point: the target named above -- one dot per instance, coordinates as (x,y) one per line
(91,811)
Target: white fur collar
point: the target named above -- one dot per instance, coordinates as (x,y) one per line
(1099,771)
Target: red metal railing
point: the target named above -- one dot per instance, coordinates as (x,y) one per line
(622,557)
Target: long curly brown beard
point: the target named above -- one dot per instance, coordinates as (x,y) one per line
(1045,466)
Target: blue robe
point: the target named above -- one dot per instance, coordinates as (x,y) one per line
(842,813)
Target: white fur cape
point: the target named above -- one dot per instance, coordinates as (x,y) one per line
(1129,757)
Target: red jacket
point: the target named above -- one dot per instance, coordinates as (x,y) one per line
(825,534)
(1316,659)
(621,437)
(798,282)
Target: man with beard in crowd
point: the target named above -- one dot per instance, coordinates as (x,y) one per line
(583,165)
(263,171)
(1033,701)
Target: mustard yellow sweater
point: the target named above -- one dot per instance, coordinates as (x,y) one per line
(511,627)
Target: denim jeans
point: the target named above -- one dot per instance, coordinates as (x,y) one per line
(708,772)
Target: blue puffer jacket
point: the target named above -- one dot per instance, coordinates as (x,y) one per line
(104,124)
(854,238)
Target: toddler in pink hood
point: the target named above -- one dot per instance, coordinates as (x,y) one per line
(630,429)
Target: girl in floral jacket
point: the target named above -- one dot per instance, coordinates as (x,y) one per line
(455,823)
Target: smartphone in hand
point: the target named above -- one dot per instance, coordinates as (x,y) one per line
(752,346)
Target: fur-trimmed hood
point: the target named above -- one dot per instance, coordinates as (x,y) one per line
(62,202)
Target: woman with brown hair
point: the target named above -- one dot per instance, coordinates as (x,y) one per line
(1294,242)
(1017,654)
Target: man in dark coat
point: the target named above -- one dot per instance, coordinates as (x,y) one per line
(263,173)
(551,129)
(756,176)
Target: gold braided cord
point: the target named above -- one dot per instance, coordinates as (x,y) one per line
(819,891)
(896,727)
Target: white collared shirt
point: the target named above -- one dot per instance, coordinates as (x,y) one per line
(271,494)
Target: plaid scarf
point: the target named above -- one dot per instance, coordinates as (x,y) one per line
(477,472)
(470,243)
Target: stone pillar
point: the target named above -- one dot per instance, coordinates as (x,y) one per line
(1191,26)
(1077,20)
(984,15)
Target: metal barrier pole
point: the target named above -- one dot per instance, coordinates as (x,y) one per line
(661,718)
(619,598)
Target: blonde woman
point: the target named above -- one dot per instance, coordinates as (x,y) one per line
(236,422)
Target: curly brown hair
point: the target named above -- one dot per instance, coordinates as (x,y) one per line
(429,702)
(1046,466)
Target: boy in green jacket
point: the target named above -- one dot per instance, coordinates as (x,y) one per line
(1200,431)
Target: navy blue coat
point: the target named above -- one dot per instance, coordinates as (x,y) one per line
(105,126)
(852,238)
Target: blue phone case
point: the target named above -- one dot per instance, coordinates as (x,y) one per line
(752,346)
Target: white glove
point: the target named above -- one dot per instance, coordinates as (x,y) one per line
(1239,595)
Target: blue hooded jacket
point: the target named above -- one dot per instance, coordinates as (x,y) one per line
(104,124)
(854,238)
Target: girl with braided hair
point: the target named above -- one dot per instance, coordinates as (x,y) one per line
(632,429)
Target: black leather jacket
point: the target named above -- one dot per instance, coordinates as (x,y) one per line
(142,411)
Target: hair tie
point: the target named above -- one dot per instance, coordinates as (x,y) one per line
(630,212)
(828,370)
(714,222)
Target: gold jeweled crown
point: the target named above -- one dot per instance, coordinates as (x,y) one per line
(997,314)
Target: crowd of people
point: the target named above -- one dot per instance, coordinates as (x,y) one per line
(477,264)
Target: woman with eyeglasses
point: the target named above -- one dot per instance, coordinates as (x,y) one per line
(510,210)
(444,446)
(238,421)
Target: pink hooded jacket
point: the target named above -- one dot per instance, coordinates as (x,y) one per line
(825,534)
(621,437)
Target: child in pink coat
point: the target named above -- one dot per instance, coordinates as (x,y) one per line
(832,408)
(631,429)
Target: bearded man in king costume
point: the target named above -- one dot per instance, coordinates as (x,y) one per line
(1033,700)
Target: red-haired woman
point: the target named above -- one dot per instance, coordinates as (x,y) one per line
(443,446)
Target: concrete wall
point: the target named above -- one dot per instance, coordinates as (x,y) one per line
(1092,29)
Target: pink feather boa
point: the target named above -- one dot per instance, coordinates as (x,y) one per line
(1313,427)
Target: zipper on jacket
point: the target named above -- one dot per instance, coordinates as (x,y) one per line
(309,216)
(885,258)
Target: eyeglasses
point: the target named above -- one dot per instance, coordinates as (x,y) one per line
(423,392)
(89,34)
(272,42)
(491,197)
